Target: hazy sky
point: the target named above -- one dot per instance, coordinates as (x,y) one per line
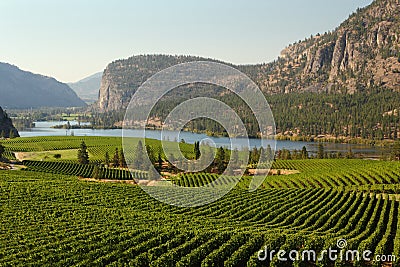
(72,39)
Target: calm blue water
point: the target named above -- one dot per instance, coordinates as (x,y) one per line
(43,129)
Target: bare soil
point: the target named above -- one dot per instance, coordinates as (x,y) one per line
(273,171)
(107,180)
(20,155)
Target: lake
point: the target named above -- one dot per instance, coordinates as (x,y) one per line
(44,129)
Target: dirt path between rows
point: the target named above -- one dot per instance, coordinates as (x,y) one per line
(107,180)
(20,155)
(273,171)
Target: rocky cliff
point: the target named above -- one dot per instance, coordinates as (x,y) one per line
(362,53)
(121,78)
(23,89)
(6,126)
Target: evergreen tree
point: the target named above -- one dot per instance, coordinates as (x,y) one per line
(227,155)
(107,159)
(150,154)
(220,154)
(138,159)
(160,161)
(197,152)
(116,158)
(235,158)
(263,155)
(220,157)
(122,162)
(254,156)
(269,154)
(304,153)
(320,153)
(2,149)
(97,172)
(83,155)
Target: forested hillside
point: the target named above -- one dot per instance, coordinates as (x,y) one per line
(310,115)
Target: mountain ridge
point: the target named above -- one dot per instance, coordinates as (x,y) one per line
(24,89)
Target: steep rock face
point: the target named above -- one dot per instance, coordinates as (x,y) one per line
(338,56)
(22,89)
(6,126)
(121,78)
(362,53)
(315,62)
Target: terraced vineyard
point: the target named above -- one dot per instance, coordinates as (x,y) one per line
(85,171)
(342,174)
(50,217)
(9,155)
(57,220)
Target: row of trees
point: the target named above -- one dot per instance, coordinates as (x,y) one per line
(118,159)
(285,154)
(218,164)
(295,154)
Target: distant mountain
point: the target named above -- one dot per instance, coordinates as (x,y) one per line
(6,126)
(22,89)
(361,54)
(88,88)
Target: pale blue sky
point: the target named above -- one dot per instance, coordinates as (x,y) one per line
(72,39)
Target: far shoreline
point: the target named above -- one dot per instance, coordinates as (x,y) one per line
(323,138)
